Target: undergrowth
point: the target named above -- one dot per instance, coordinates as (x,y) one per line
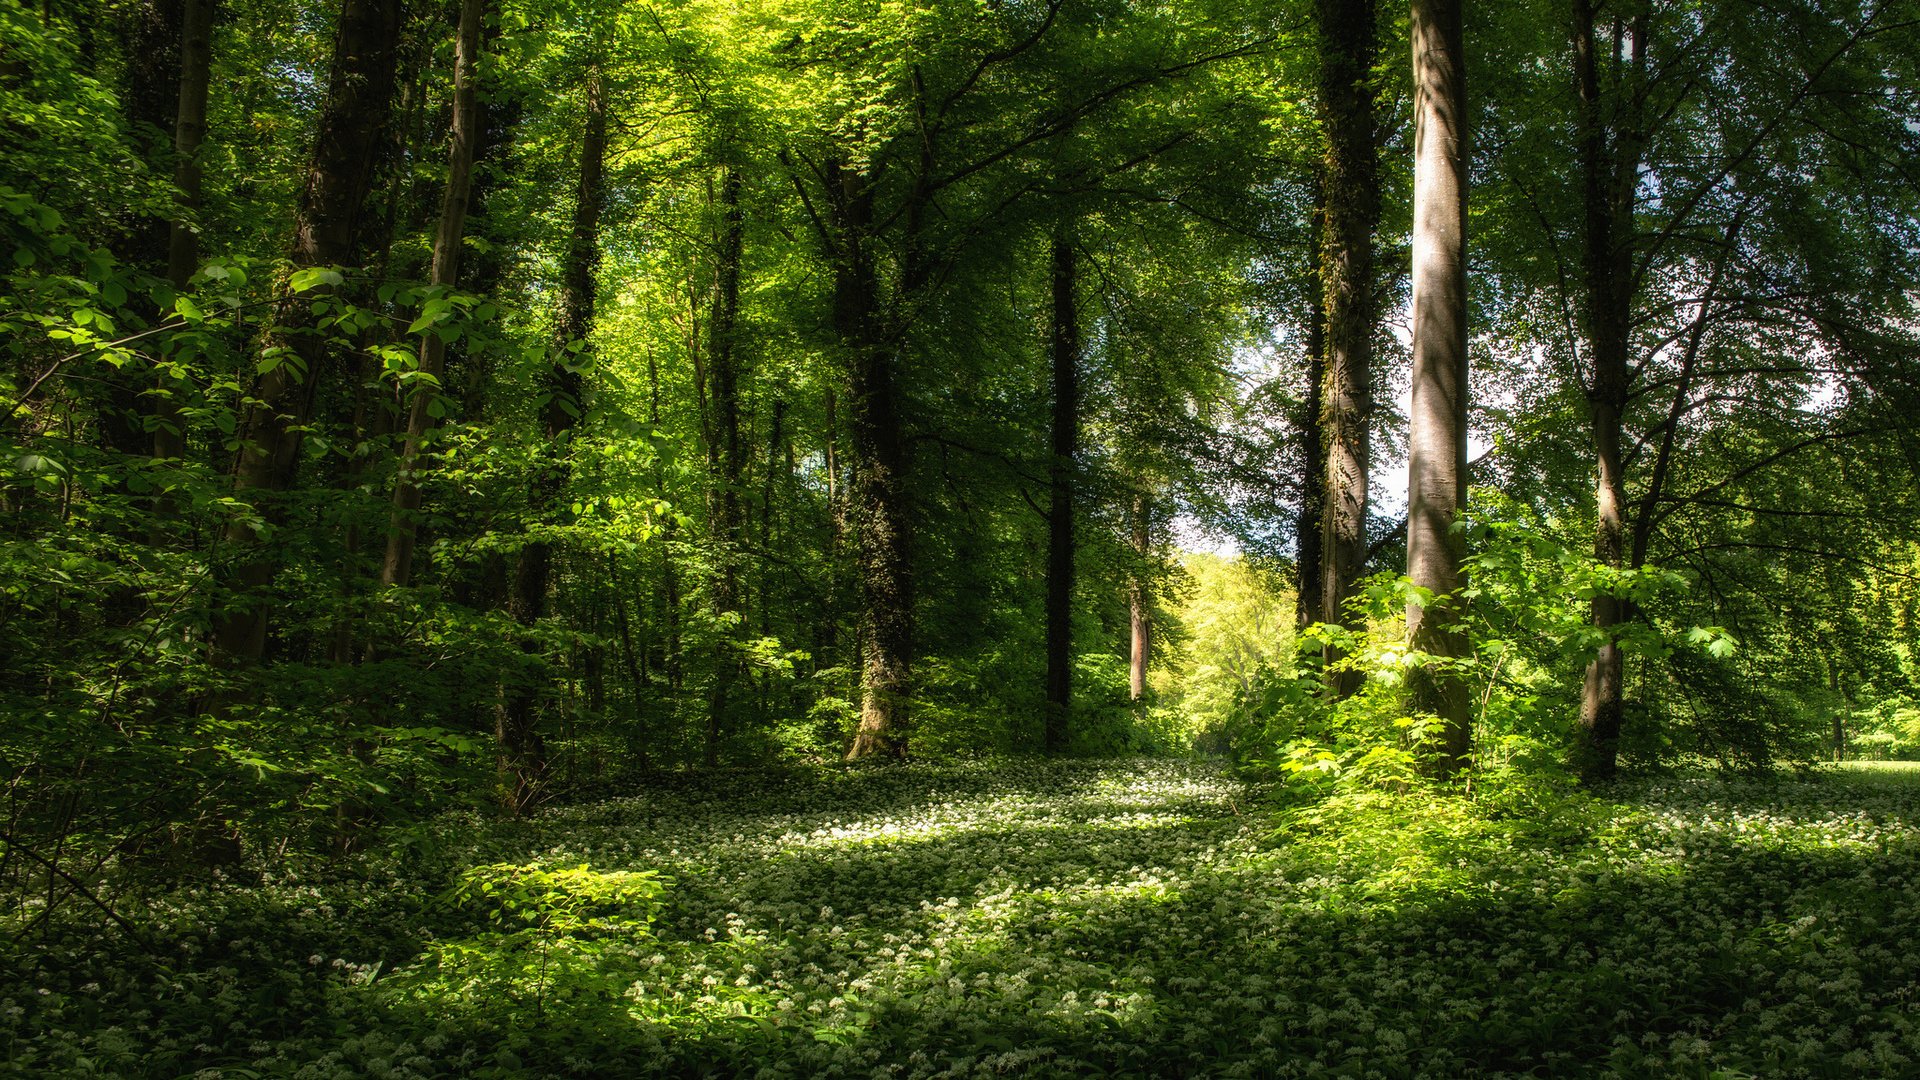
(1127,919)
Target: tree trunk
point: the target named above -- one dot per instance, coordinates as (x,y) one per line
(1309,541)
(522,751)
(155,32)
(632,659)
(1139,610)
(353,118)
(1352,212)
(879,488)
(1438,438)
(1610,172)
(779,451)
(827,632)
(149,94)
(726,461)
(183,248)
(397,567)
(1840,714)
(1066,448)
(669,574)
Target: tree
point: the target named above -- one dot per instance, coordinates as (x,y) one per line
(1344,252)
(1065,353)
(523,763)
(183,249)
(397,567)
(297,353)
(1437,470)
(725,455)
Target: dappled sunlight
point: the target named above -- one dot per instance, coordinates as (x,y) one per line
(1081,934)
(1145,918)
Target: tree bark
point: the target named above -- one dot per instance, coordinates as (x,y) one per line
(726,461)
(523,762)
(1840,714)
(1139,603)
(1309,539)
(669,573)
(1437,441)
(155,31)
(183,248)
(149,95)
(1350,177)
(879,489)
(353,118)
(632,659)
(827,632)
(1610,167)
(397,567)
(1066,448)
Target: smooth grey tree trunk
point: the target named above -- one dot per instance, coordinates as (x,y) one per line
(1438,436)
(1139,602)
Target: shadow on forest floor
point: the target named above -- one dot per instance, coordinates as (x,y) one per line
(1144,919)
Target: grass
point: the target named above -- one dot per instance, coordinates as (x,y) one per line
(1144,918)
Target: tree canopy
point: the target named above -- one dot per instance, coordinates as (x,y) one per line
(410,405)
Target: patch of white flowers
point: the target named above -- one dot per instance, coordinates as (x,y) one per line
(1138,918)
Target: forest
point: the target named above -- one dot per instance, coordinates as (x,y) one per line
(960,538)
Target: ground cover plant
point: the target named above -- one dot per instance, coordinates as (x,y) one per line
(1145,918)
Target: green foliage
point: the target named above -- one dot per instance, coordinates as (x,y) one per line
(1235,626)
(1058,919)
(1526,610)
(554,938)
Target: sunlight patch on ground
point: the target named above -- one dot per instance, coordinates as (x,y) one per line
(1140,918)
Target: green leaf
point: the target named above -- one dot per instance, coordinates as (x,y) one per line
(315,277)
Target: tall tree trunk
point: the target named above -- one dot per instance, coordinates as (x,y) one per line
(1840,714)
(1062,468)
(633,660)
(726,461)
(1610,168)
(402,531)
(149,93)
(1139,603)
(377,400)
(1438,438)
(1350,177)
(779,453)
(1309,541)
(827,632)
(353,119)
(669,573)
(155,31)
(522,751)
(183,247)
(879,495)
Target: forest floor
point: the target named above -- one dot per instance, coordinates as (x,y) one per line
(1142,918)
